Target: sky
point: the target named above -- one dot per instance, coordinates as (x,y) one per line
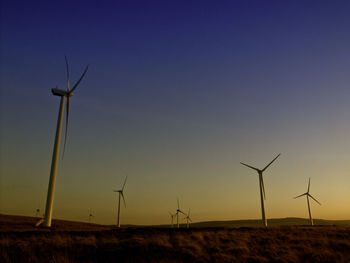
(178,93)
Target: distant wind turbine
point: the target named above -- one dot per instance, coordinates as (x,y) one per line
(188,219)
(177,213)
(262,188)
(172,219)
(54,164)
(37,212)
(308,203)
(121,194)
(91,216)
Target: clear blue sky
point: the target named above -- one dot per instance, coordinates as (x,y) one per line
(177,94)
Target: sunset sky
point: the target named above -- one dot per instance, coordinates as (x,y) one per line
(177,94)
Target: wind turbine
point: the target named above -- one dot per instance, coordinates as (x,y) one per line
(90,215)
(188,219)
(54,163)
(308,203)
(262,188)
(37,212)
(121,193)
(172,219)
(178,210)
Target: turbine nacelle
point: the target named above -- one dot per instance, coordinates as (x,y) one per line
(179,211)
(61,93)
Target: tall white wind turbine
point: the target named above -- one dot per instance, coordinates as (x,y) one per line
(91,216)
(121,194)
(262,187)
(172,219)
(308,202)
(55,156)
(188,218)
(178,210)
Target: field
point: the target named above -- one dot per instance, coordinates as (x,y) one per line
(82,242)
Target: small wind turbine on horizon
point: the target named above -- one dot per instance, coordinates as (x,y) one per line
(91,216)
(262,187)
(178,210)
(188,218)
(172,219)
(308,202)
(55,156)
(37,212)
(121,194)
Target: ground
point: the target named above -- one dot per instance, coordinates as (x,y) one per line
(69,241)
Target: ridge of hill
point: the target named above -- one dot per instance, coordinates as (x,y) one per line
(22,222)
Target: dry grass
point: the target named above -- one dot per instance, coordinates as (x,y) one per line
(79,242)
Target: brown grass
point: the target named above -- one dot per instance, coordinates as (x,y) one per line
(82,242)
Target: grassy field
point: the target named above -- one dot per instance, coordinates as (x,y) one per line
(82,242)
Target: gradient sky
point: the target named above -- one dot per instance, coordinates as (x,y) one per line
(177,94)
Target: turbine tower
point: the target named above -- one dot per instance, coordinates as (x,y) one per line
(54,164)
(308,202)
(121,194)
(188,219)
(262,188)
(172,219)
(90,216)
(178,210)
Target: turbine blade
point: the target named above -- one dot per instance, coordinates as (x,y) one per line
(178,204)
(189,210)
(271,162)
(300,195)
(315,199)
(263,187)
(82,76)
(67,68)
(124,182)
(123,198)
(308,186)
(190,219)
(256,169)
(66,132)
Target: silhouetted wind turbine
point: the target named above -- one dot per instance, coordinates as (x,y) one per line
(54,164)
(37,212)
(177,212)
(308,203)
(121,194)
(90,215)
(261,186)
(188,219)
(172,219)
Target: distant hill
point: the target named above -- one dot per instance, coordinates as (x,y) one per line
(288,221)
(271,222)
(9,221)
